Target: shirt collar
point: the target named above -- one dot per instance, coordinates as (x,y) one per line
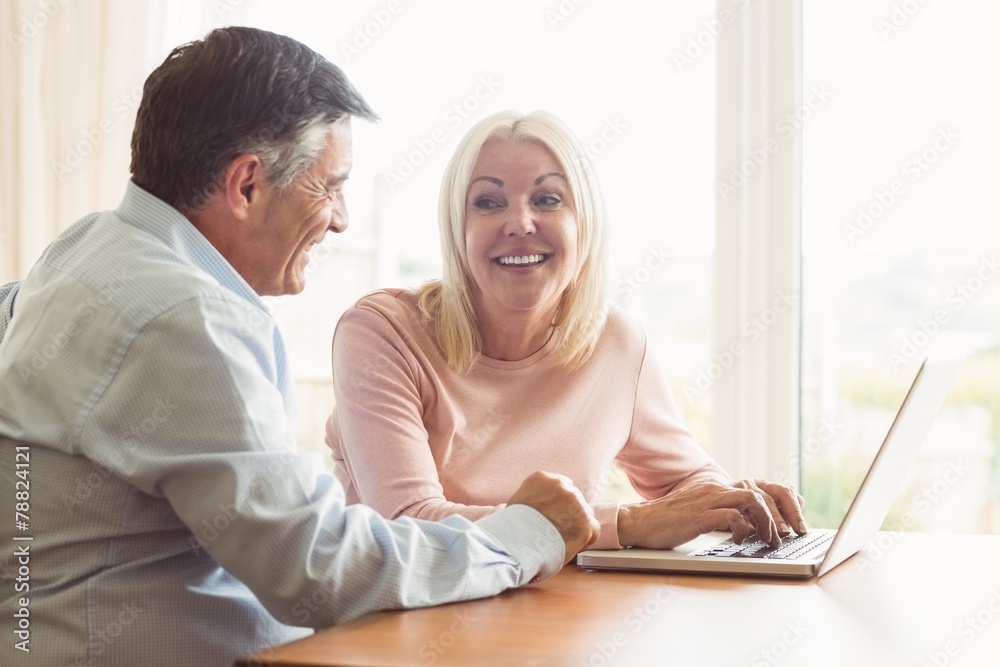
(8,293)
(151,214)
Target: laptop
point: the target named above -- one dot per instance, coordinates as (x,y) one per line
(820,550)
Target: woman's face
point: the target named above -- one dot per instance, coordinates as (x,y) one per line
(520,229)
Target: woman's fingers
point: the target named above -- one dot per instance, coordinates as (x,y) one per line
(745,507)
(784,503)
(754,508)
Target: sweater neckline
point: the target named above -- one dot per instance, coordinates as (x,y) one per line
(530,360)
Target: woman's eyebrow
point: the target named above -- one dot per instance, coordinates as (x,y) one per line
(551,173)
(495,181)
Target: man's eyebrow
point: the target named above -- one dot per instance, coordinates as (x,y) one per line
(551,173)
(337,179)
(495,181)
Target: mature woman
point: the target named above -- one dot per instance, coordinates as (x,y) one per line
(448,396)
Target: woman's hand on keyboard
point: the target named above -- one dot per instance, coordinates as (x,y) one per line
(744,507)
(784,503)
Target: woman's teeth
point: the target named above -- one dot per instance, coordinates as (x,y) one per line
(525,259)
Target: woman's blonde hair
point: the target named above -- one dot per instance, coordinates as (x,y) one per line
(447,302)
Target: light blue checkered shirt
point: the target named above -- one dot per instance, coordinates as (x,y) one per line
(173,520)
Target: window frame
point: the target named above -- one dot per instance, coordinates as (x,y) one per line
(755,417)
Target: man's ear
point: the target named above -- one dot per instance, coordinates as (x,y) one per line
(243,186)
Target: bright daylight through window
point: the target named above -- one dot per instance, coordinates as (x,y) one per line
(901,252)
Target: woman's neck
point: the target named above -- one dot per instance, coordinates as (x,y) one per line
(514,335)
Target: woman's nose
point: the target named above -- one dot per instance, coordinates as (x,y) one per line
(520,221)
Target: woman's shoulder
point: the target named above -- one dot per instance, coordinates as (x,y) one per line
(391,303)
(620,351)
(624,332)
(386,310)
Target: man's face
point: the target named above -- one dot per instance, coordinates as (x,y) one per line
(295,219)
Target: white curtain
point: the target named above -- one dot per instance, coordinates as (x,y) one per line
(71,75)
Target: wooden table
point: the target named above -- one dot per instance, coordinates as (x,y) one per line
(911,599)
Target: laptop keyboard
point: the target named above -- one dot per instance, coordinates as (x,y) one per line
(792,546)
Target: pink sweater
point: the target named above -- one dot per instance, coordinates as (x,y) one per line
(412,437)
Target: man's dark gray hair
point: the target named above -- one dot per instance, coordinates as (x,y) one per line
(238,91)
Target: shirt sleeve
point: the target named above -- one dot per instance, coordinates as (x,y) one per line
(193,415)
(661,454)
(378,422)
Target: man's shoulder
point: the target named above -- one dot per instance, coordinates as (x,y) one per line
(130,269)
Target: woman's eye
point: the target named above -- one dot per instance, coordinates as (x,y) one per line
(485,204)
(548,201)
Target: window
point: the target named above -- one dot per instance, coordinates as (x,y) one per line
(900,252)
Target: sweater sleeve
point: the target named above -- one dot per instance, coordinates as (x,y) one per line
(377,425)
(661,454)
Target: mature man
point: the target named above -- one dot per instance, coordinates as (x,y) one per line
(163,512)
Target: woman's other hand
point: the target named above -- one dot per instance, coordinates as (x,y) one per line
(745,507)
